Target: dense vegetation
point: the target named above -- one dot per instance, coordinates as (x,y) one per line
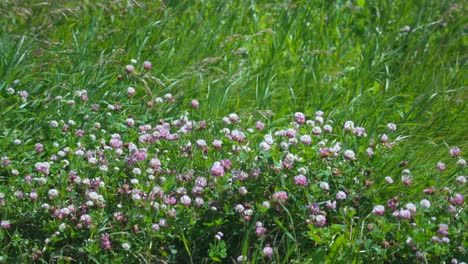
(233,131)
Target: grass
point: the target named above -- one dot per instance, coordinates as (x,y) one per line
(372,62)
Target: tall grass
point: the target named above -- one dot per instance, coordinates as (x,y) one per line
(371,61)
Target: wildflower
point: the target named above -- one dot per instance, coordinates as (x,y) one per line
(5,224)
(259,125)
(136,197)
(260,231)
(319,119)
(93,196)
(391,127)
(384,139)
(349,155)
(392,203)
(457,200)
(268,251)
(300,180)
(24,95)
(53,193)
(129,69)
(217,143)
(147,65)
(155,163)
(217,169)
(407,180)
(195,104)
(239,208)
(264,146)
(226,164)
(360,132)
(389,180)
(461,180)
(348,126)
(316,131)
(461,162)
(435,239)
(440,166)
(378,210)
(443,229)
(241,259)
(300,118)
(248,212)
(268,139)
(39,147)
(234,118)
(426,204)
(451,209)
(341,195)
(331,205)
(105,243)
(324,186)
(130,92)
(404,214)
(305,139)
(455,152)
(370,152)
(199,201)
(33,195)
(86,219)
(130,122)
(266,204)
(328,128)
(185,200)
(320,220)
(411,207)
(237,135)
(126,246)
(243,190)
(281,196)
(19,194)
(6,161)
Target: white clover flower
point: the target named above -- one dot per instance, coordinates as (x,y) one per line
(425,204)
(239,208)
(378,210)
(126,246)
(341,195)
(185,200)
(62,227)
(391,127)
(461,180)
(93,196)
(53,193)
(349,154)
(324,186)
(248,212)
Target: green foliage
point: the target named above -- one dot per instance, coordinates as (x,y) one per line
(373,62)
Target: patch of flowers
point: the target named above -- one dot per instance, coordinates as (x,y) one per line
(129,179)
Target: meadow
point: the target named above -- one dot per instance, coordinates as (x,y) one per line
(213,131)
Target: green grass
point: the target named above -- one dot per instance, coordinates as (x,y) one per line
(354,60)
(347,57)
